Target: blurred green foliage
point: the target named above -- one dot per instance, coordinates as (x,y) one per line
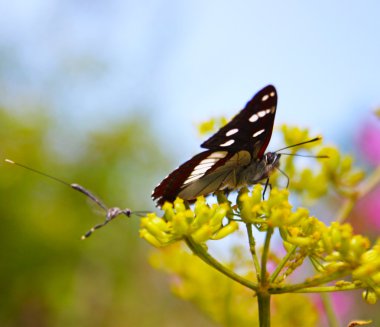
(48,276)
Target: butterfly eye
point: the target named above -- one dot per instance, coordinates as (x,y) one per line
(271,157)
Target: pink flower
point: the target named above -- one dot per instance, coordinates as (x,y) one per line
(367,213)
(369,141)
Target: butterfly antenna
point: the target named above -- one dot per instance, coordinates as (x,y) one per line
(304,155)
(318,138)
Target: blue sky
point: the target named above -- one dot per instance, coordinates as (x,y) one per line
(177,62)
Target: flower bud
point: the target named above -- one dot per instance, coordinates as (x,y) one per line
(169,212)
(358,245)
(150,238)
(180,225)
(354,178)
(369,296)
(219,214)
(203,217)
(202,234)
(179,205)
(226,230)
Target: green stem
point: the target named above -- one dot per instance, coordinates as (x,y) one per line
(369,281)
(263,296)
(346,208)
(228,305)
(316,263)
(330,314)
(282,264)
(252,248)
(372,181)
(311,282)
(263,299)
(329,289)
(199,251)
(264,257)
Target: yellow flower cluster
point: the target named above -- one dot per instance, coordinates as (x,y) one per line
(305,233)
(369,272)
(332,249)
(211,125)
(335,172)
(294,135)
(338,170)
(203,223)
(344,251)
(274,212)
(337,254)
(342,247)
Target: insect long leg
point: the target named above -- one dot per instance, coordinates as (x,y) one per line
(266,186)
(286,176)
(111,213)
(90,195)
(93,229)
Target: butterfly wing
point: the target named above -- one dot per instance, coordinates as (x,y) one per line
(251,128)
(234,146)
(203,174)
(224,175)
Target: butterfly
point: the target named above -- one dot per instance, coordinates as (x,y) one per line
(234,156)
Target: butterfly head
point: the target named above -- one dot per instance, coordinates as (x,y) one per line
(266,166)
(272,159)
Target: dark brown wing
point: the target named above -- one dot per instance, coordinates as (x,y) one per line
(251,128)
(242,140)
(187,174)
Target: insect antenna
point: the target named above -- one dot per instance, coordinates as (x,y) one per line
(315,139)
(318,138)
(111,213)
(304,155)
(298,155)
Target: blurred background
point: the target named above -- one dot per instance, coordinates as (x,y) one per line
(107,94)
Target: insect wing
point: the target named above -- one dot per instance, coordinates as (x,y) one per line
(251,128)
(234,146)
(189,172)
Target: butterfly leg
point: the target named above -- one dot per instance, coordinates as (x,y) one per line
(286,176)
(227,192)
(266,186)
(222,195)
